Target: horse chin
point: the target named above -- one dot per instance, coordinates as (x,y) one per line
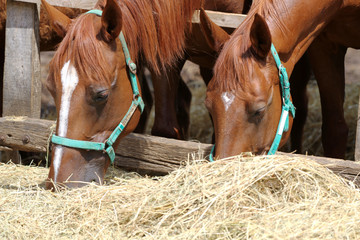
(81,170)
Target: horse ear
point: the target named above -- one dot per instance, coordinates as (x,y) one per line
(59,21)
(111,20)
(260,37)
(214,35)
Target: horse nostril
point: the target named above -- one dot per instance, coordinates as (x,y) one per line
(95,180)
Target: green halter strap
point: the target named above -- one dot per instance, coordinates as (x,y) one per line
(136,103)
(287,106)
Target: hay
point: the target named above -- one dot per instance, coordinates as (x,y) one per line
(254,197)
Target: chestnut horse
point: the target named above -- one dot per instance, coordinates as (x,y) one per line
(93,82)
(244,95)
(173,99)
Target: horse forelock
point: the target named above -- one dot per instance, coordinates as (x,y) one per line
(81,47)
(235,62)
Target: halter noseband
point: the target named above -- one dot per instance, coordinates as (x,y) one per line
(287,106)
(137,102)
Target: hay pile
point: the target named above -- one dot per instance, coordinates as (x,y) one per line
(254,197)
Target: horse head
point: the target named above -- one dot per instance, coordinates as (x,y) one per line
(244,97)
(94,91)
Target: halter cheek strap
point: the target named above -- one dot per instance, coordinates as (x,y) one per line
(137,102)
(287,106)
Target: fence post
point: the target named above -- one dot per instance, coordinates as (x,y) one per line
(357,141)
(22,84)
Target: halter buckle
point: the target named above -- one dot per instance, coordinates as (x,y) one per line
(139,102)
(132,66)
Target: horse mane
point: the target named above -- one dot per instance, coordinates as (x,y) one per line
(233,64)
(154,30)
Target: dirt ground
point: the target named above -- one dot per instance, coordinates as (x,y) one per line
(201,128)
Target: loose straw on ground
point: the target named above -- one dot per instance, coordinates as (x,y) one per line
(275,197)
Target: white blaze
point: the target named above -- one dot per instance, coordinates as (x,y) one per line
(69,81)
(228,99)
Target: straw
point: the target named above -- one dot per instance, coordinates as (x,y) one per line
(275,197)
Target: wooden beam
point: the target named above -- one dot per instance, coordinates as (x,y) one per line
(22,84)
(226,20)
(25,134)
(345,168)
(142,153)
(157,155)
(82,4)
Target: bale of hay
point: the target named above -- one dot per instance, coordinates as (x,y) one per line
(245,197)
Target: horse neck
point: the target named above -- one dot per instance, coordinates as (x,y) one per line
(303,21)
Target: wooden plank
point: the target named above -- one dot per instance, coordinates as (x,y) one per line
(226,20)
(357,141)
(25,134)
(345,168)
(83,4)
(142,153)
(22,84)
(159,149)
(157,155)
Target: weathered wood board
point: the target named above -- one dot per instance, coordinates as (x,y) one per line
(83,4)
(142,153)
(22,85)
(228,20)
(26,134)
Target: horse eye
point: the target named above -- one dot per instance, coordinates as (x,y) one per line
(257,115)
(101,96)
(259,112)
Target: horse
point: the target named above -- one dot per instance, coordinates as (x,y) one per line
(244,96)
(92,78)
(172,112)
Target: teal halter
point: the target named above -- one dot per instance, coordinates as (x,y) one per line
(136,103)
(287,106)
